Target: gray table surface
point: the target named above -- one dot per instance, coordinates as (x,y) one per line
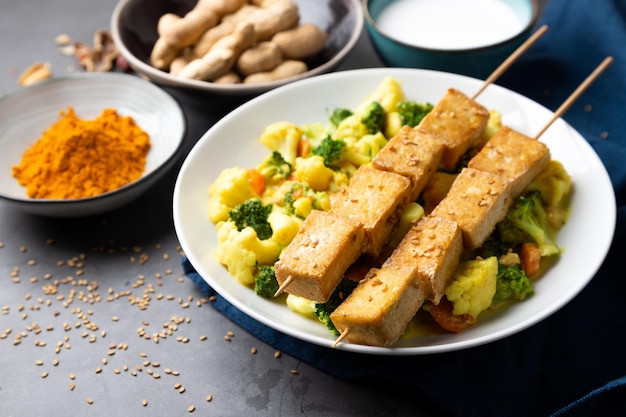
(85,297)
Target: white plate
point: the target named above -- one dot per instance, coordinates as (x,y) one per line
(27,112)
(233,141)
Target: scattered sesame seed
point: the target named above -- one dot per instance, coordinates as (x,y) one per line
(44,374)
(209,398)
(144,402)
(191,409)
(89,400)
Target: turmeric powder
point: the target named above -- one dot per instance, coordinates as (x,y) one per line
(76,158)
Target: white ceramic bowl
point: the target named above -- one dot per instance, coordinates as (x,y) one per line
(134,30)
(593,210)
(27,112)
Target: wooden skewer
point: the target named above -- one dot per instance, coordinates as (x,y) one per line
(342,336)
(574,96)
(284,285)
(507,62)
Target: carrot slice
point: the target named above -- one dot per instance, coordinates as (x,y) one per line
(256,180)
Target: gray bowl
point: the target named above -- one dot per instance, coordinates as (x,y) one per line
(134,30)
(27,112)
(477,61)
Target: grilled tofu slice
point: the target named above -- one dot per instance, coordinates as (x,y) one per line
(385,301)
(513,156)
(477,201)
(380,307)
(433,246)
(319,255)
(412,153)
(459,121)
(375,199)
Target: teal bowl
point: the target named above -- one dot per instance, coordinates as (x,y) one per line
(413,37)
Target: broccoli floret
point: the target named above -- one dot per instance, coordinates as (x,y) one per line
(493,246)
(331,150)
(373,117)
(411,113)
(290,197)
(265,283)
(338,115)
(275,168)
(252,213)
(512,284)
(527,221)
(323,310)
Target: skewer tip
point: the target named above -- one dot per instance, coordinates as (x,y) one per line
(342,336)
(284,285)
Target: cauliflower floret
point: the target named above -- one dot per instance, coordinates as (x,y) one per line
(284,226)
(350,129)
(314,132)
(282,137)
(363,151)
(493,124)
(554,183)
(230,189)
(393,124)
(388,94)
(473,286)
(302,207)
(313,172)
(411,213)
(240,251)
(301,305)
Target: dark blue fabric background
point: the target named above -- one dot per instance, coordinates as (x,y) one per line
(573,363)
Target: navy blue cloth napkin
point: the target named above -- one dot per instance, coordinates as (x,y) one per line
(574,362)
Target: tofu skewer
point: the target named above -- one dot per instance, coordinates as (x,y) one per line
(413,154)
(406,164)
(372,314)
(379,308)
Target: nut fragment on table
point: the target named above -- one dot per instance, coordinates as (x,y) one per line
(99,58)
(36,72)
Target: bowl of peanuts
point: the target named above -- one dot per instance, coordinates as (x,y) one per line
(235,46)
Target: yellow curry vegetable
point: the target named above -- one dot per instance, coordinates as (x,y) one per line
(78,158)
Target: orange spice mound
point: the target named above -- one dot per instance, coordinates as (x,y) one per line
(76,158)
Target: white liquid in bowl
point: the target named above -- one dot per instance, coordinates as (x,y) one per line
(450,24)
